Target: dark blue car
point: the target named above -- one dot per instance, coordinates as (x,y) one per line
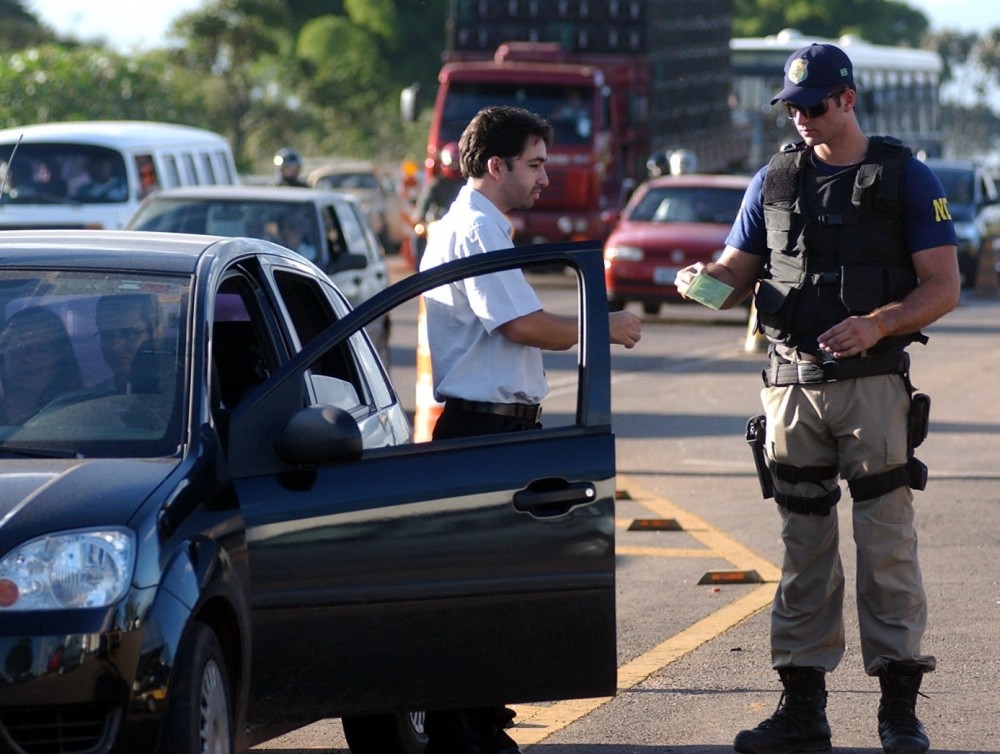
(215,527)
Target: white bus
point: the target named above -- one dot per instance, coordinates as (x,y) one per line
(898,88)
(93,174)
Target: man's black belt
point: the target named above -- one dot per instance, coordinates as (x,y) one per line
(809,373)
(531,412)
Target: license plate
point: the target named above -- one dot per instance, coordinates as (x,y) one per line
(664,275)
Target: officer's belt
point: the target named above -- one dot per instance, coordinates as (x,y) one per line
(779,374)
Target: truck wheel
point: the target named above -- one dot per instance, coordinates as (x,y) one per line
(651,308)
(199,712)
(386,734)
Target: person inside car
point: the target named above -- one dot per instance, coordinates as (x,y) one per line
(124,323)
(293,231)
(37,363)
(106,183)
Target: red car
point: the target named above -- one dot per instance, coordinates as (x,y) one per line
(669,223)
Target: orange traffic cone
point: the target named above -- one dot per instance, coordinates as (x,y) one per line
(427,409)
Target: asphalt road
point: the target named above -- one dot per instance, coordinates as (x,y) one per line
(694,658)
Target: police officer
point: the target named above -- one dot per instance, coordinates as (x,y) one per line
(486,334)
(852,250)
(288,163)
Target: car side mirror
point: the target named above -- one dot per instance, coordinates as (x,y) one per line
(343,262)
(319,435)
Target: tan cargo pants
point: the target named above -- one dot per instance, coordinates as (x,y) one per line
(859,426)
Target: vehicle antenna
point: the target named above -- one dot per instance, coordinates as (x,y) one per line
(3,185)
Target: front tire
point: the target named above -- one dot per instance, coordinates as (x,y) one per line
(199,713)
(386,734)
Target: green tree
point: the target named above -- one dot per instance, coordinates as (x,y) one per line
(234,52)
(53,83)
(877,21)
(19,28)
(972,66)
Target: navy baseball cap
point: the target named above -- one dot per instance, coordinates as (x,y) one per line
(813,72)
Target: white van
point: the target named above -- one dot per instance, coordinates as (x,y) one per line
(93,174)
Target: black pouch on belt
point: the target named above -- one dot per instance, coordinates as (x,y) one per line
(756,430)
(919,419)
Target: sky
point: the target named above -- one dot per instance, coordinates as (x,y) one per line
(143,23)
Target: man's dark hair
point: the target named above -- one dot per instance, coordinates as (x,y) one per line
(499,131)
(118,304)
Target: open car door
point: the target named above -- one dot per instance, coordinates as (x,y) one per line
(445,574)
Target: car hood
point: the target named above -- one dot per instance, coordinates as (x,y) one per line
(45,495)
(665,237)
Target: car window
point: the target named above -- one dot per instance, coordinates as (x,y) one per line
(333,233)
(958,185)
(353,229)
(207,168)
(243,354)
(173,177)
(52,173)
(145,168)
(190,169)
(688,204)
(90,363)
(335,378)
(291,224)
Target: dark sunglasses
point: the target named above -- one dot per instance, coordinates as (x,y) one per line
(816,110)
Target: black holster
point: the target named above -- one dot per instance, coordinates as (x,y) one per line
(756,426)
(919,419)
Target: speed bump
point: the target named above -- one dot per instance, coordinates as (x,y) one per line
(731,577)
(654,524)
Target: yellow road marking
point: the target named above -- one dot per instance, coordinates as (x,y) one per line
(537,722)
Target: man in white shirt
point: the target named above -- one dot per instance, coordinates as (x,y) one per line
(486,335)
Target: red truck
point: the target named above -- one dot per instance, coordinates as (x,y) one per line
(618,79)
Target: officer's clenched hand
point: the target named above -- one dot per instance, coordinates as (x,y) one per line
(852,336)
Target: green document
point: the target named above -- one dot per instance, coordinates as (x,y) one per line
(708,291)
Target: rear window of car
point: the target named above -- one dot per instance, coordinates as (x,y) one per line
(676,204)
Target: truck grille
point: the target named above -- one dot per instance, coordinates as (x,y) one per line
(58,730)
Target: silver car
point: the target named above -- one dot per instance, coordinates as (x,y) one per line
(329,228)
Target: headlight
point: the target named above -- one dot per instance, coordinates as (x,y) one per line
(77,569)
(624,253)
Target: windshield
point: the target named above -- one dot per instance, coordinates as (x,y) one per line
(348,181)
(91,363)
(674,204)
(568,108)
(958,185)
(58,173)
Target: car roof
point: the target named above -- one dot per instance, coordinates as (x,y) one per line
(252,193)
(347,166)
(951,164)
(700,180)
(176,253)
(113,133)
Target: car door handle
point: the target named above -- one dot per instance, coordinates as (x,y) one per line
(547,498)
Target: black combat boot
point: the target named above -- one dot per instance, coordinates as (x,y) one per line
(898,726)
(799,723)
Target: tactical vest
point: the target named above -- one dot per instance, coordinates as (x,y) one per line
(837,245)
